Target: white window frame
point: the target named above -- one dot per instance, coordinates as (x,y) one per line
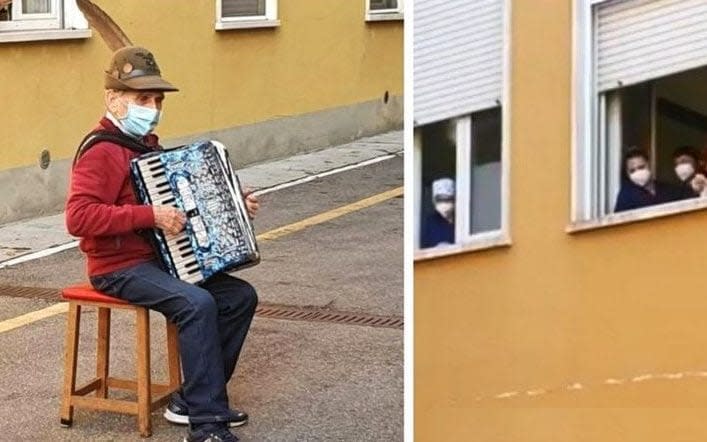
(268,20)
(66,22)
(595,128)
(464,240)
(390,14)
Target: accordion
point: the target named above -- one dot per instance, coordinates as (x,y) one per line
(198,180)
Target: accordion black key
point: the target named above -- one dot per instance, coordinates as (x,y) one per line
(198,179)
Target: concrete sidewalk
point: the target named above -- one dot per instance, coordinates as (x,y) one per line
(29,236)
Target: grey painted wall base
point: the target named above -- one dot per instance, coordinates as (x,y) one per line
(31,191)
(288,136)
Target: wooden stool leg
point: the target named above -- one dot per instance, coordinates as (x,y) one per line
(144,399)
(71,347)
(175,373)
(103,351)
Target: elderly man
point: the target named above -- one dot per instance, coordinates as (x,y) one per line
(213,319)
(438,228)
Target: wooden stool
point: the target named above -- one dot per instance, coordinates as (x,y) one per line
(149,396)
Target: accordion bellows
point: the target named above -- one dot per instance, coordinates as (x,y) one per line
(198,179)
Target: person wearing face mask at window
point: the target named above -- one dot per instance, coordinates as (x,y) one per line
(212,319)
(439,225)
(687,168)
(638,187)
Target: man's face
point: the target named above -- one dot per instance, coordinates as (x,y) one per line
(117,101)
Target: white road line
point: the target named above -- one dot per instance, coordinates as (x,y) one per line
(38,254)
(60,248)
(323,174)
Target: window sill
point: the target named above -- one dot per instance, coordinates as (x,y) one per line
(483,242)
(388,16)
(57,34)
(638,215)
(246,24)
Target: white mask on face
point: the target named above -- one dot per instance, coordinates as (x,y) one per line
(641,177)
(445,208)
(684,171)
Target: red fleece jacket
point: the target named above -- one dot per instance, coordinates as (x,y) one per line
(102,210)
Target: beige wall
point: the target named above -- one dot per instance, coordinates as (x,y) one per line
(556,309)
(317,80)
(321,57)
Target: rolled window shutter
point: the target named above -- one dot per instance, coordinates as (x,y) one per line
(383,4)
(640,40)
(458,57)
(242,8)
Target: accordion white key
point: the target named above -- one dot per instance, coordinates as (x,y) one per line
(198,179)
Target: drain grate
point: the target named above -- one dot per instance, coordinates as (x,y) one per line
(30,292)
(320,315)
(264,310)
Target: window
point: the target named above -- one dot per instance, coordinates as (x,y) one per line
(485,169)
(639,84)
(31,14)
(26,20)
(234,14)
(462,104)
(379,10)
(465,153)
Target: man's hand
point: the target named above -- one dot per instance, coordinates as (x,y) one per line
(251,202)
(4,3)
(169,219)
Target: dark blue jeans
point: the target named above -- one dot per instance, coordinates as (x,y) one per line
(213,320)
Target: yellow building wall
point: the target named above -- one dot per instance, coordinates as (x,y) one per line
(322,56)
(561,337)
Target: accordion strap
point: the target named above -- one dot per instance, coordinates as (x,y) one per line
(120,139)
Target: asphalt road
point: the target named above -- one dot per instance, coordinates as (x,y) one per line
(298,380)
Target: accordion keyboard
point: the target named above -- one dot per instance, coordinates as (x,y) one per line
(198,180)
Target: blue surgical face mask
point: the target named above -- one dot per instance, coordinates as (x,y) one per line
(140,120)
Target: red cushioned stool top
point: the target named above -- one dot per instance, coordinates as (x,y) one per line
(85,292)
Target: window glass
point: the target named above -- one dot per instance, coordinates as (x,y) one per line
(485,204)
